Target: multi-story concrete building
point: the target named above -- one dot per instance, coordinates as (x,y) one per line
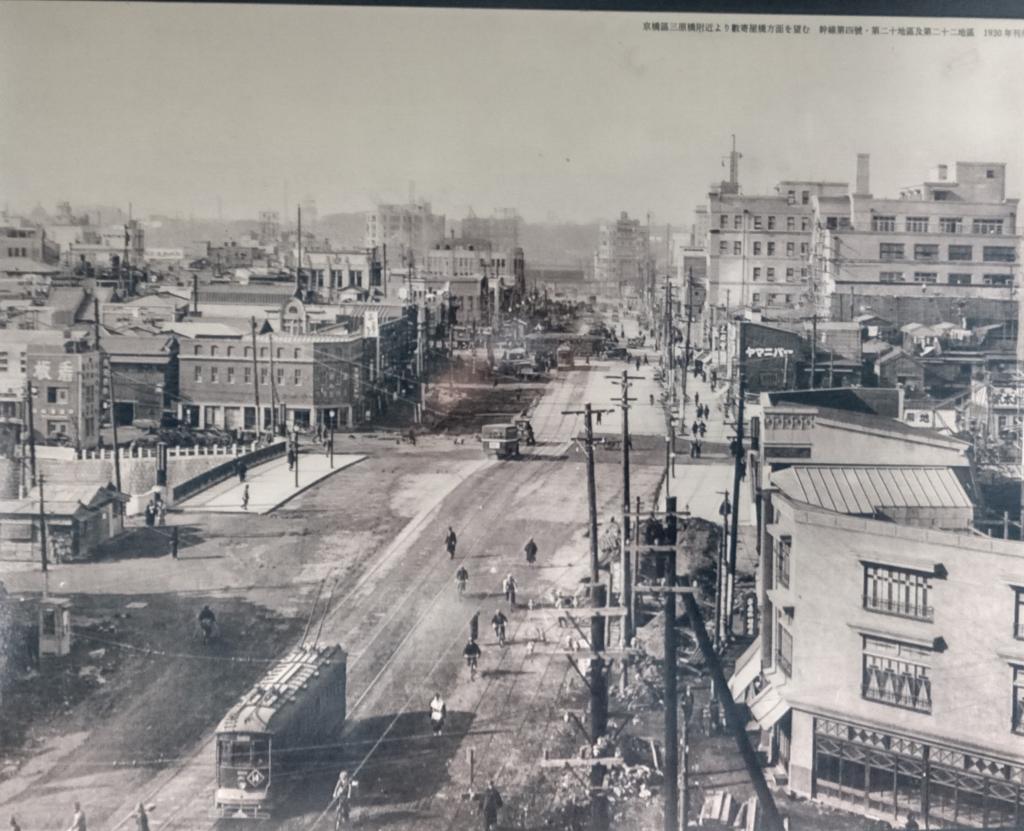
(623,256)
(947,237)
(65,380)
(408,231)
(24,248)
(145,375)
(300,378)
(504,270)
(759,247)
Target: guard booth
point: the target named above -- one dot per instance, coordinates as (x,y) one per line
(55,626)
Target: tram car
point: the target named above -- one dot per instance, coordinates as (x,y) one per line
(293,715)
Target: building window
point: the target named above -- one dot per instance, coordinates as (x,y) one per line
(998,254)
(891,277)
(890,251)
(803,273)
(724,221)
(737,222)
(805,197)
(929,253)
(898,591)
(917,224)
(771,223)
(789,299)
(280,353)
(897,673)
(280,377)
(213,351)
(247,374)
(791,197)
(950,224)
(56,395)
(214,375)
(997,280)
(771,249)
(790,222)
(756,297)
(930,277)
(784,654)
(1018,614)
(883,223)
(831,222)
(231,375)
(987,226)
(737,248)
(790,275)
(298,377)
(1018,699)
(804,248)
(723,247)
(961,253)
(783,548)
(3,362)
(770,272)
(297,353)
(248,351)
(757,223)
(230,351)
(199,349)
(263,375)
(790,249)
(805,223)
(198,374)
(757,249)
(959,279)
(263,351)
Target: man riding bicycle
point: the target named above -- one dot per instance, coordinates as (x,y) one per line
(472,653)
(461,576)
(499,622)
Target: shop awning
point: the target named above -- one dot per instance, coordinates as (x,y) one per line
(768,707)
(748,667)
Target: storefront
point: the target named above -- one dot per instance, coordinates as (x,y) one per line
(888,775)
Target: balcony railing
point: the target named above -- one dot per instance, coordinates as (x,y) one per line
(905,697)
(899,608)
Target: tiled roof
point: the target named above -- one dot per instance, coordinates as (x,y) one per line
(852,489)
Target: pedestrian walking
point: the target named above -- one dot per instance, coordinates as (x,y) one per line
(700,444)
(695,428)
(450,541)
(141,818)
(531,551)
(438,712)
(490,804)
(693,448)
(508,586)
(149,515)
(646,362)
(703,429)
(598,416)
(291,459)
(245,497)
(77,819)
(637,364)
(241,468)
(696,400)
(161,514)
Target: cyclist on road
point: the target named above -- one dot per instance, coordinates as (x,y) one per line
(461,576)
(343,797)
(472,653)
(207,622)
(499,622)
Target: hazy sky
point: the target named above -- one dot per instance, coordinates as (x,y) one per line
(576,115)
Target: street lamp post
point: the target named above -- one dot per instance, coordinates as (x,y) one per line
(721,613)
(331,439)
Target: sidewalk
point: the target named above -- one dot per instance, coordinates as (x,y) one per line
(270,485)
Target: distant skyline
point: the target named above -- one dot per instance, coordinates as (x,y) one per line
(181,108)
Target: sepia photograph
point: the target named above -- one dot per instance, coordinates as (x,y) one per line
(437,418)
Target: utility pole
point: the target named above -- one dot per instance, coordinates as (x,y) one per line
(451,339)
(110,387)
(597,681)
(42,538)
(720,577)
(686,355)
(736,476)
(31,429)
(256,381)
(627,563)
(298,262)
(420,325)
(814,348)
(671,766)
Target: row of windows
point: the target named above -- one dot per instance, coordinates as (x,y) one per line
(756,248)
(759,223)
(957,253)
(770,274)
(773,299)
(932,277)
(230,376)
(246,352)
(17,252)
(943,225)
